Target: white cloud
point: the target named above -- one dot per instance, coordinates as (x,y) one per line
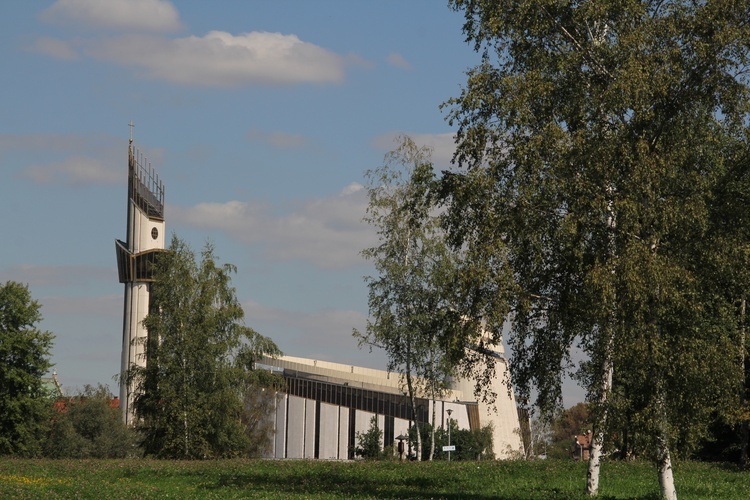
(398,60)
(123,15)
(443,145)
(278,139)
(221,59)
(327,232)
(77,170)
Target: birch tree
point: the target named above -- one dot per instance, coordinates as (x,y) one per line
(199,352)
(593,139)
(410,313)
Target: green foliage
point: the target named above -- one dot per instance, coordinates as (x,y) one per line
(200,359)
(471,444)
(259,400)
(25,408)
(89,426)
(368,442)
(604,173)
(559,436)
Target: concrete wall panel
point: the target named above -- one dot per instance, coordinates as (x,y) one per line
(279,437)
(295,437)
(362,421)
(310,428)
(344,444)
(329,431)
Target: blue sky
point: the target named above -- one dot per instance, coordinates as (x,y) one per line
(260,117)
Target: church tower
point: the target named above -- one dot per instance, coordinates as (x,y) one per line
(136,257)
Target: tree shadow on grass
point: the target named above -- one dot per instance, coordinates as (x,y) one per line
(334,484)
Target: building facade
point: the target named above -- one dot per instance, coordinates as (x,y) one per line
(326,404)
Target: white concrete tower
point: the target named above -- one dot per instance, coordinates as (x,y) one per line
(135,264)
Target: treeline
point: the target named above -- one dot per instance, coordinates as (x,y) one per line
(556,439)
(34,419)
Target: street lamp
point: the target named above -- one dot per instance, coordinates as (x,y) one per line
(449,433)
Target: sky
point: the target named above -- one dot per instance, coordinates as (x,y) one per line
(261,119)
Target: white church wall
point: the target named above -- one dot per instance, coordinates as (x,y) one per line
(295,434)
(362,422)
(343,451)
(310,405)
(328,447)
(381,426)
(279,438)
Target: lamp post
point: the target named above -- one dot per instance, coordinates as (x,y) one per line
(449,433)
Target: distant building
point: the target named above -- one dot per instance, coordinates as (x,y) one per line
(51,386)
(582,446)
(326,404)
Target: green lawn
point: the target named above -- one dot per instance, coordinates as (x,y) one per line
(320,479)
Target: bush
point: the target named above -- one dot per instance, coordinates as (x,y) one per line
(89,425)
(368,443)
(470,444)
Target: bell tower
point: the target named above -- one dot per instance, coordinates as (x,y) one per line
(136,257)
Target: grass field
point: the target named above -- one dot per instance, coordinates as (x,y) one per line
(320,479)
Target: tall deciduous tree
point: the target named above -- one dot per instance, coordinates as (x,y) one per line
(409,299)
(595,138)
(199,353)
(25,407)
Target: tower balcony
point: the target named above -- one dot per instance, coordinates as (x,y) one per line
(138,267)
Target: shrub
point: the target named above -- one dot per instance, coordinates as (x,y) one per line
(89,425)
(368,443)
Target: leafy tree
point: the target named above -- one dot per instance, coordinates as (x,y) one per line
(597,141)
(24,358)
(564,426)
(368,442)
(259,402)
(199,360)
(526,432)
(541,437)
(409,300)
(89,426)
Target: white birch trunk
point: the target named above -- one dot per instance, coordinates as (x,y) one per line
(597,438)
(663,457)
(666,478)
(597,441)
(410,387)
(409,383)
